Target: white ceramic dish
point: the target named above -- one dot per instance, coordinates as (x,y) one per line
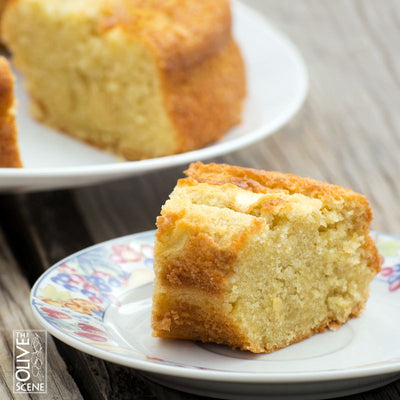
(99,301)
(277,85)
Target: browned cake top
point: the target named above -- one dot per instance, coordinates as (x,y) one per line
(259,181)
(182,32)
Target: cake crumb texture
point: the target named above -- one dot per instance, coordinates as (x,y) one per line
(259,260)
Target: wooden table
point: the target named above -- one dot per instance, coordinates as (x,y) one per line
(348,133)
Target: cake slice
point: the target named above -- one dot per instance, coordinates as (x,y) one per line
(139,78)
(9,151)
(259,260)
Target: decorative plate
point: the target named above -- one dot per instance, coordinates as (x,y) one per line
(277,85)
(99,301)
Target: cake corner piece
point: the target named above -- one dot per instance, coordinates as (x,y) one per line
(259,260)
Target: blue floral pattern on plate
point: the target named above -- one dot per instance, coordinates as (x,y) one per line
(73,295)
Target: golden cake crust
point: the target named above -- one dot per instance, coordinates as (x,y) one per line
(9,152)
(3,4)
(259,181)
(205,101)
(181,33)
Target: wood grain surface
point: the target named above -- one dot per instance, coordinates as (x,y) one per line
(347,133)
(14,295)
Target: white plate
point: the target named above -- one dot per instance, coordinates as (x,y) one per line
(277,85)
(99,301)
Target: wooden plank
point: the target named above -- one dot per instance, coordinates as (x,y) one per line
(15,313)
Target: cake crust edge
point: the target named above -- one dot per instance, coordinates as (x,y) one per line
(9,151)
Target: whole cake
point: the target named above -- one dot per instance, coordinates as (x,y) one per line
(259,260)
(9,151)
(139,78)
